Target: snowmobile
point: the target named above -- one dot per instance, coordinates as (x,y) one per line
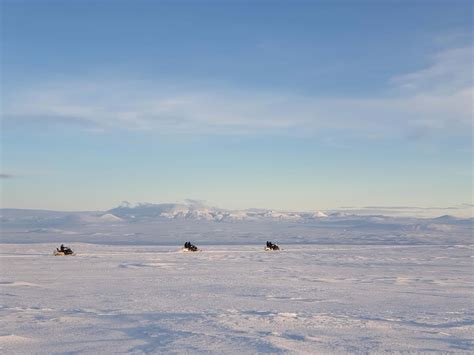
(63,251)
(190,247)
(271,246)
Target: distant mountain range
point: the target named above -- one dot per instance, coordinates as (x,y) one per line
(167,223)
(146,212)
(200,212)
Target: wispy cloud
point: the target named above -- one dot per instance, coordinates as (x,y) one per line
(450,71)
(437,98)
(7,176)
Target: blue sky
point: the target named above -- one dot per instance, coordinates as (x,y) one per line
(293,105)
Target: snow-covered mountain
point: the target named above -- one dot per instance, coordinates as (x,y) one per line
(176,223)
(146,213)
(198,212)
(109,217)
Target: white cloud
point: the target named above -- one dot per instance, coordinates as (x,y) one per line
(436,98)
(452,70)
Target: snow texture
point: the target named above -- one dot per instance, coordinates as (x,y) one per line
(341,284)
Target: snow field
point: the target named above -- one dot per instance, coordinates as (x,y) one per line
(236,299)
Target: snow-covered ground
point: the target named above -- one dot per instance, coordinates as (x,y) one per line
(342,283)
(229,299)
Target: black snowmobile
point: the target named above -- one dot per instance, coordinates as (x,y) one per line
(188,246)
(271,246)
(63,251)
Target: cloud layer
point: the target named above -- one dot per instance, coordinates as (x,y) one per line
(437,98)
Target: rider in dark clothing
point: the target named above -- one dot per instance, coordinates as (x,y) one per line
(190,246)
(64,250)
(272,246)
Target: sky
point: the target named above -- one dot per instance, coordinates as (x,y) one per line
(290,105)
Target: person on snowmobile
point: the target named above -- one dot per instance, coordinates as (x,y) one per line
(189,246)
(272,246)
(62,250)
